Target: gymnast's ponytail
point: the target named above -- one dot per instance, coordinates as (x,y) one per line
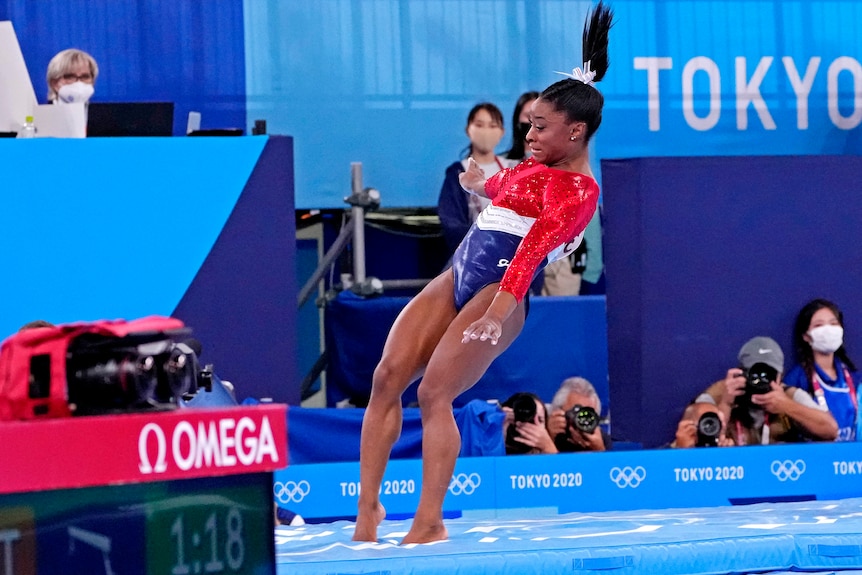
(577,95)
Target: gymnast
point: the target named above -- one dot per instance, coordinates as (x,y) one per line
(468,315)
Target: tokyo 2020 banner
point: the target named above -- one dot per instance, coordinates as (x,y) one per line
(734,78)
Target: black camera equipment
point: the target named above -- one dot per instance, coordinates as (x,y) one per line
(524,410)
(759,377)
(708,430)
(136,372)
(582,417)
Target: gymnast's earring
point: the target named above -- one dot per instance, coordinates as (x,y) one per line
(573,138)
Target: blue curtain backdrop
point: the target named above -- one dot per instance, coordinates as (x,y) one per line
(187,52)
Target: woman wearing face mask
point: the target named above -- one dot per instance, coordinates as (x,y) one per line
(71,77)
(456,208)
(825,369)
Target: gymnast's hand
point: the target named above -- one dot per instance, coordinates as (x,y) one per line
(473,180)
(485,328)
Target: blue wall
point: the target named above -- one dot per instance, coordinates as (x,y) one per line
(704,254)
(207,237)
(389,82)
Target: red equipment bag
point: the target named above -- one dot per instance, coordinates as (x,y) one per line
(33,362)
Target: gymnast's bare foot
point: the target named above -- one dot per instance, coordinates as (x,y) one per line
(427,533)
(367,522)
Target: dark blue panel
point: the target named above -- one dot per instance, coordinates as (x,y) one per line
(242,303)
(703,254)
(190,53)
(563,337)
(326,435)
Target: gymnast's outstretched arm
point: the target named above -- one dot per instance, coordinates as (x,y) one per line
(473,179)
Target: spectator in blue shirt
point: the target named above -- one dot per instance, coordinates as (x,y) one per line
(824,369)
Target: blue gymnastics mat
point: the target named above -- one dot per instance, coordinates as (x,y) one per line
(775,538)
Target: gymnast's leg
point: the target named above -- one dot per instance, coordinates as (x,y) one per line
(453,368)
(409,345)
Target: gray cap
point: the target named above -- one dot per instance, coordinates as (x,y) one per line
(761,350)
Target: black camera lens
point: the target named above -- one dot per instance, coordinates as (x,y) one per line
(583,418)
(179,373)
(759,377)
(139,372)
(523,410)
(708,430)
(114,383)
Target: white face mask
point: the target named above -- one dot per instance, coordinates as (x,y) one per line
(485,139)
(826,338)
(76,92)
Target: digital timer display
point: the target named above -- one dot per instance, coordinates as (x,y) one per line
(180,527)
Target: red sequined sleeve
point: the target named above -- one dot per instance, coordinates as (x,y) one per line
(569,205)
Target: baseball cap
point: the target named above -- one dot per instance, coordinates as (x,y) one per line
(761,350)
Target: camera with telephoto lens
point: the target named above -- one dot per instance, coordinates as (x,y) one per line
(524,410)
(708,430)
(134,373)
(583,418)
(758,378)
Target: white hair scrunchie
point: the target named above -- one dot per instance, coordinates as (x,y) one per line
(586,75)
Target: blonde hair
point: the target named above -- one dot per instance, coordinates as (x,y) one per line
(62,64)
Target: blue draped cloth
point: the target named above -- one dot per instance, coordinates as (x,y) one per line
(320,435)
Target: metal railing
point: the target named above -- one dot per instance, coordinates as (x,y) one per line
(361,200)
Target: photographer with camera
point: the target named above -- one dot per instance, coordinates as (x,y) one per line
(574,421)
(759,408)
(702,425)
(525,425)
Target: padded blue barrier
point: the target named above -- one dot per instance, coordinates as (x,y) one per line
(814,536)
(587,482)
(563,337)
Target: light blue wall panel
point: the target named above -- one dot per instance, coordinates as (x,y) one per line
(389,83)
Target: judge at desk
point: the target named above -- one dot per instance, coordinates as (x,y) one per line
(71,77)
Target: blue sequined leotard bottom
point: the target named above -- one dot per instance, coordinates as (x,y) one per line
(482,259)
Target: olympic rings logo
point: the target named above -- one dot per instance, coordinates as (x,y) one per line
(628,476)
(463,483)
(784,470)
(291,491)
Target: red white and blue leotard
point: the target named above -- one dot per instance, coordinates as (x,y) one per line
(537,215)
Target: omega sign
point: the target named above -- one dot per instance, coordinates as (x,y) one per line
(226,442)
